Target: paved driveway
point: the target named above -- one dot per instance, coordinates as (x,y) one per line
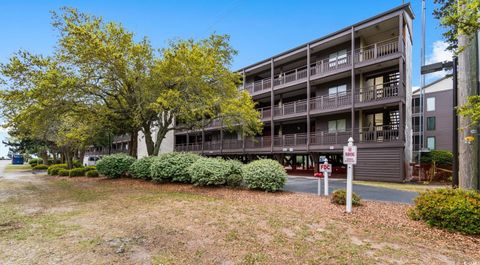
(309,185)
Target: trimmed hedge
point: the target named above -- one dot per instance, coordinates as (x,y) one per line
(87,168)
(209,172)
(340,197)
(450,209)
(265,174)
(115,166)
(92,173)
(64,172)
(141,168)
(235,174)
(441,157)
(77,172)
(40,167)
(172,167)
(53,169)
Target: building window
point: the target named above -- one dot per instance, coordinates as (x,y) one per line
(431,143)
(431,104)
(340,90)
(337,58)
(430,123)
(337,126)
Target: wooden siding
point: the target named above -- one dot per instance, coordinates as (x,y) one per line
(379,164)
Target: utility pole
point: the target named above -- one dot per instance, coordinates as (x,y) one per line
(422,93)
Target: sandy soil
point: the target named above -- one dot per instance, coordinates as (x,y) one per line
(97,221)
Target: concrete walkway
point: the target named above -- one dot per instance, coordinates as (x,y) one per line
(309,185)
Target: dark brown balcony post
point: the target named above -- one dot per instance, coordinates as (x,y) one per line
(221,136)
(401,127)
(244,77)
(352,113)
(203,135)
(400,33)
(272,101)
(308,97)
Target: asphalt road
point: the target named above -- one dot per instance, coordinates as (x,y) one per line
(309,185)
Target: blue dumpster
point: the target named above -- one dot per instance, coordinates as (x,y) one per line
(17,160)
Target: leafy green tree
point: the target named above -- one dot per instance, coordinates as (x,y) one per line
(196,87)
(471,110)
(459,17)
(101,80)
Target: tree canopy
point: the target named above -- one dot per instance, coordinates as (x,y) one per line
(101,79)
(459,17)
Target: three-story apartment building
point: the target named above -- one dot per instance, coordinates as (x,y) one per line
(355,82)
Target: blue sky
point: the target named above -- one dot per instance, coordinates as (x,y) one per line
(258,29)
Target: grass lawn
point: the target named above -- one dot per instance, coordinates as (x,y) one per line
(53,220)
(23,167)
(417,187)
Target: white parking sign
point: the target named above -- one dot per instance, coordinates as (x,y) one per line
(350,155)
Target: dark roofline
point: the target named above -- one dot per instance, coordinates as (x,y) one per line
(406,6)
(433,83)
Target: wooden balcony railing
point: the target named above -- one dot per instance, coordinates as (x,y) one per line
(376,134)
(378,92)
(330,101)
(265,112)
(328,65)
(290,140)
(295,107)
(376,50)
(384,133)
(258,142)
(373,51)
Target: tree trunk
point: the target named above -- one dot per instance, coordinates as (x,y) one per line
(467,86)
(81,154)
(44,156)
(147,133)
(133,145)
(68,158)
(159,139)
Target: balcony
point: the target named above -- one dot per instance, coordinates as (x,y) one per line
(326,66)
(318,140)
(378,92)
(376,50)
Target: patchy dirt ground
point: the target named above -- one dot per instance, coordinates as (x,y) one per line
(96,221)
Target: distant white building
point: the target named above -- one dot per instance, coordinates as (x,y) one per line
(166,146)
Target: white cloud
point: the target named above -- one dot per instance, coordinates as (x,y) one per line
(439,54)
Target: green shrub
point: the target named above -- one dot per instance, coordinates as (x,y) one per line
(340,197)
(53,169)
(34,161)
(441,157)
(88,168)
(77,172)
(63,172)
(92,173)
(172,166)
(209,172)
(141,168)
(115,166)
(450,209)
(40,167)
(265,174)
(234,177)
(77,163)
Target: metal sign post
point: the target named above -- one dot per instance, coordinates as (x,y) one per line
(319,186)
(325,168)
(350,159)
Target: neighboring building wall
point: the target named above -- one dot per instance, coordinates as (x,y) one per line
(441,90)
(166,146)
